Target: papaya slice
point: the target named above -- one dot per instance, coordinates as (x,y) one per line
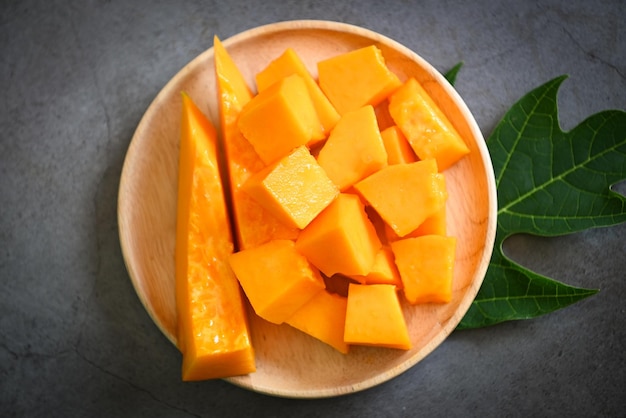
(213,331)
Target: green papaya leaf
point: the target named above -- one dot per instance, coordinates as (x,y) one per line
(451,74)
(549,182)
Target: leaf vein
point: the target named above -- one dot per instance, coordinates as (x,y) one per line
(564,174)
(519,137)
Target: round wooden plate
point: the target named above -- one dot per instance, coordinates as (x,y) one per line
(290,363)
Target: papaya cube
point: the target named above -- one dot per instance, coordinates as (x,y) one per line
(405,195)
(323,317)
(295,189)
(354,148)
(425,126)
(276,278)
(356,78)
(374,317)
(384,270)
(289,63)
(341,239)
(398,149)
(426,266)
(280,119)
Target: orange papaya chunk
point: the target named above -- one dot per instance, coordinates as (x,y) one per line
(323,317)
(384,270)
(354,148)
(374,317)
(405,195)
(295,188)
(254,224)
(280,118)
(212,325)
(289,63)
(356,78)
(341,239)
(276,278)
(425,126)
(426,267)
(398,149)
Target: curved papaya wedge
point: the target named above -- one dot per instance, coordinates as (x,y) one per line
(213,331)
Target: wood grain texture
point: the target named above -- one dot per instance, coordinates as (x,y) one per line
(290,363)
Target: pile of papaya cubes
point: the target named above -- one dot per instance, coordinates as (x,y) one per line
(338,195)
(369,206)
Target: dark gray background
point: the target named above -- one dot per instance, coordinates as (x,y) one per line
(76,77)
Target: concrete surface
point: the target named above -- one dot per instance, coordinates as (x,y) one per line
(76,78)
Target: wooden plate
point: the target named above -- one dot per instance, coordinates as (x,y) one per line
(290,363)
